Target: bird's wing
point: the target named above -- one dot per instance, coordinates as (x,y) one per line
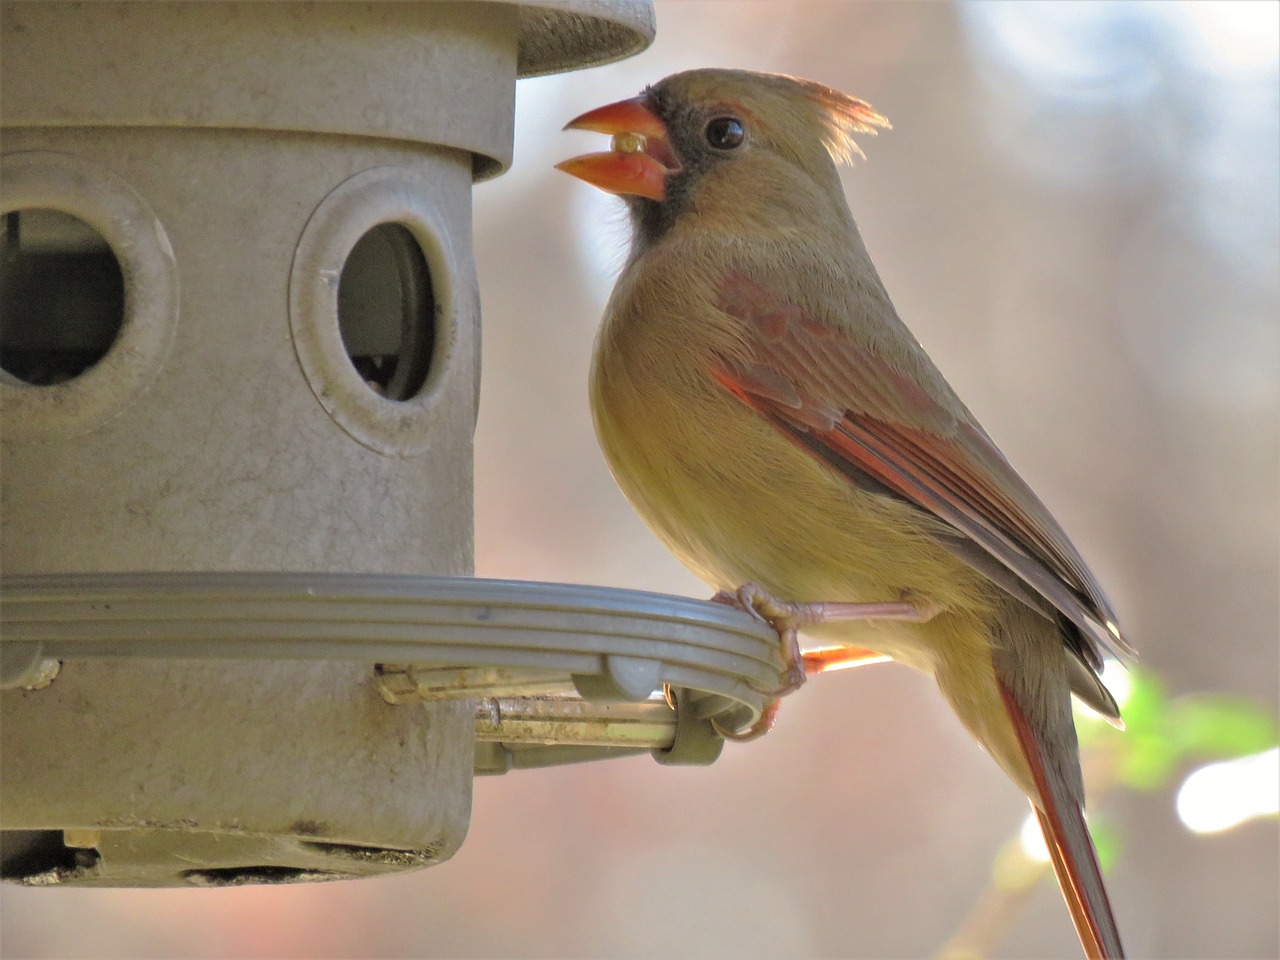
(851,408)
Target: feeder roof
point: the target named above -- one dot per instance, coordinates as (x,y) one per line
(561,35)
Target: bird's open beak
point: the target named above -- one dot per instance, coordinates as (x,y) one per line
(641,158)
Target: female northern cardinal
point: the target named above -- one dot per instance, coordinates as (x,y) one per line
(770,417)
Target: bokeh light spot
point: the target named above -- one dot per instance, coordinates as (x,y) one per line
(1219,796)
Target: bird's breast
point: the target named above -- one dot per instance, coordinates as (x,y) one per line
(725,490)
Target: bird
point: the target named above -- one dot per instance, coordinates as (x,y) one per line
(771,418)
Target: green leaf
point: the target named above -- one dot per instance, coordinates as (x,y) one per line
(1107,842)
(1148,704)
(1161,734)
(1221,727)
(1146,761)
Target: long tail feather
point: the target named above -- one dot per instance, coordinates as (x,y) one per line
(1075,861)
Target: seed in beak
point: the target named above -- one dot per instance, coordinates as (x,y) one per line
(627,142)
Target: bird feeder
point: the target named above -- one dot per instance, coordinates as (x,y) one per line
(238,378)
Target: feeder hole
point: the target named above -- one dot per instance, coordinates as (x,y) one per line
(25,854)
(61,296)
(387,310)
(245,876)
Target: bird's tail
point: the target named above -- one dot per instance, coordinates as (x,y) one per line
(1057,802)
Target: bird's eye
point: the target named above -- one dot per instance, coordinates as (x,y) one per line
(725,133)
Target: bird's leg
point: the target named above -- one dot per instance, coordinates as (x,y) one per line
(787,618)
(836,658)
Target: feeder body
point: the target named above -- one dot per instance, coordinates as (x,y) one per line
(231,154)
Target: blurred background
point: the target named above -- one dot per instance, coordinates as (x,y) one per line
(1078,213)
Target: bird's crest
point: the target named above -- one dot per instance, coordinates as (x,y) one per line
(844,116)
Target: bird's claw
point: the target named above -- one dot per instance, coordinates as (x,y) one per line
(785,619)
(764,723)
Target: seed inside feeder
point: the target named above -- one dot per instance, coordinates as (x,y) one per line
(628,143)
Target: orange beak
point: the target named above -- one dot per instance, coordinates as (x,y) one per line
(641,158)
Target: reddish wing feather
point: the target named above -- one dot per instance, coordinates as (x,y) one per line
(850,407)
(863,412)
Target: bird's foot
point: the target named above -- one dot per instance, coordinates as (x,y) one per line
(787,618)
(784,618)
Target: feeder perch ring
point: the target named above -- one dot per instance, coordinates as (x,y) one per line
(559,673)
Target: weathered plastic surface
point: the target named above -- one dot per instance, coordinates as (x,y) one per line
(230,154)
(425,72)
(247,772)
(559,35)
